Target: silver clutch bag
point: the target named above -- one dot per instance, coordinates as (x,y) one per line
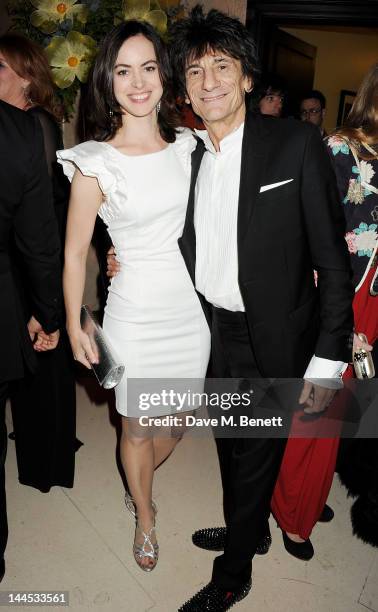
(109,369)
(363,362)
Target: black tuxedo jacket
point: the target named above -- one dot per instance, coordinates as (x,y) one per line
(284,233)
(27,219)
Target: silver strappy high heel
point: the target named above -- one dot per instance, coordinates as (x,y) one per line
(147,550)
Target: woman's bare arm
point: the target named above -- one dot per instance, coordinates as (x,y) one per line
(85,201)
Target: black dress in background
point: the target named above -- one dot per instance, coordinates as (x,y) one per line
(44,404)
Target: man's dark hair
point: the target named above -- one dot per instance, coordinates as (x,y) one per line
(198,34)
(270,84)
(316,95)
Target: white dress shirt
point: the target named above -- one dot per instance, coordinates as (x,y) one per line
(215,222)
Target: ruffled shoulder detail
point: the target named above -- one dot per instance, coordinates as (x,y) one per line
(184,146)
(95,159)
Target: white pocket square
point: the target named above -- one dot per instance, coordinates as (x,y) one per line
(274,185)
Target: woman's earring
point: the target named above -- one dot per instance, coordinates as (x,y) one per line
(111,113)
(27,96)
(158,107)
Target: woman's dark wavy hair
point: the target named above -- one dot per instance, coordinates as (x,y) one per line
(270,84)
(196,35)
(100,99)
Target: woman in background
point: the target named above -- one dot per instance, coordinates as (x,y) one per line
(353,150)
(270,96)
(308,465)
(43,404)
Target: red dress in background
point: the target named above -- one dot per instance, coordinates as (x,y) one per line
(308,465)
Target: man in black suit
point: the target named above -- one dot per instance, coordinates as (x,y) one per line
(263,213)
(27,220)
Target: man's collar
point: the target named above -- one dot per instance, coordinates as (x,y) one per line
(227,143)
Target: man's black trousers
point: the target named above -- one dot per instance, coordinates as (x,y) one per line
(249,466)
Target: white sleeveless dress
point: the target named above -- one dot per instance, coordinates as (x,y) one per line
(153,316)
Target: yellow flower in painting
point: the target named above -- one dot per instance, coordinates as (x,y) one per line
(141,10)
(50,13)
(70,57)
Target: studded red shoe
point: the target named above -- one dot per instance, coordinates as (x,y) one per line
(214,599)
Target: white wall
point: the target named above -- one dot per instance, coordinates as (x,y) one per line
(341,62)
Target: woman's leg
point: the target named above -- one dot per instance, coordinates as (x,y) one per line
(137,456)
(141,447)
(141,453)
(166,439)
(163,447)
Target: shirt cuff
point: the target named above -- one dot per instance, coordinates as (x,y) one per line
(325,372)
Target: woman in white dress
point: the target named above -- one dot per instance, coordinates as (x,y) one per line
(135,174)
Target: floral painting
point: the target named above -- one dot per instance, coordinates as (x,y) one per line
(71,30)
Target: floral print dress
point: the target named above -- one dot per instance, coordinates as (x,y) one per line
(357,181)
